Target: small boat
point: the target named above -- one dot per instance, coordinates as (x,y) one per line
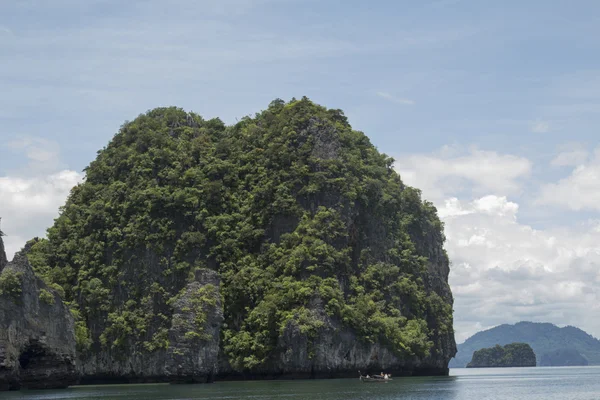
(373,379)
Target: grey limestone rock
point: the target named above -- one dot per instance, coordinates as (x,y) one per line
(37,340)
(3,260)
(193,338)
(194,334)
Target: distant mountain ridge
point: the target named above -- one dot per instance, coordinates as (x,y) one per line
(542,337)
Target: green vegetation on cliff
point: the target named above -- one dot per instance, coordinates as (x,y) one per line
(298,213)
(511,355)
(10,283)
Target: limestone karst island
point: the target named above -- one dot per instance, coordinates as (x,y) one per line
(511,355)
(284,246)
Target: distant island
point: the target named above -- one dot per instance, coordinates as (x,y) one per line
(548,341)
(511,355)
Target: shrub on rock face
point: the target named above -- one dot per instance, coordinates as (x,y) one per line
(10,284)
(303,219)
(46,296)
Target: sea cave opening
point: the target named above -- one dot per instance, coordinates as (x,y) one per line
(33,355)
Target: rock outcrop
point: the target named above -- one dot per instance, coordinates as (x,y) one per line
(3,260)
(37,341)
(283,246)
(193,355)
(511,355)
(192,352)
(337,352)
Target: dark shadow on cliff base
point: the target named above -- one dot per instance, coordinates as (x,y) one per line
(35,361)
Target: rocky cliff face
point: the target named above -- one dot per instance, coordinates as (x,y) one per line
(3,260)
(285,245)
(339,352)
(195,331)
(193,343)
(37,342)
(336,350)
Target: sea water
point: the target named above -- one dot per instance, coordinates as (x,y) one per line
(568,383)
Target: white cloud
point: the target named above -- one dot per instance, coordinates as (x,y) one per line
(495,205)
(30,197)
(490,204)
(540,127)
(452,171)
(42,153)
(579,191)
(570,158)
(504,271)
(29,205)
(395,99)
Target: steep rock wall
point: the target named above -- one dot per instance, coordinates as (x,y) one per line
(3,260)
(37,342)
(193,343)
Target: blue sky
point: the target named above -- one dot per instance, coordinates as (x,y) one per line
(491,108)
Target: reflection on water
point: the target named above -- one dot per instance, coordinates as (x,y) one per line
(573,383)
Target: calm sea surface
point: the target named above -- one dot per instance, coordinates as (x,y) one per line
(571,383)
